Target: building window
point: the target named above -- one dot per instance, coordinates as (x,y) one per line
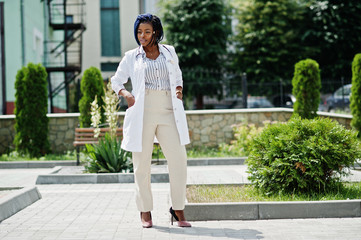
(109,67)
(110,28)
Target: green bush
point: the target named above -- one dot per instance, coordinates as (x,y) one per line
(21,137)
(107,157)
(243,137)
(91,85)
(356,94)
(30,111)
(302,156)
(306,88)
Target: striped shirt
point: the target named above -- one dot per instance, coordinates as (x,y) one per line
(156,73)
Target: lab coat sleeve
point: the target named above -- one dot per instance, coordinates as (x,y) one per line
(179,79)
(121,76)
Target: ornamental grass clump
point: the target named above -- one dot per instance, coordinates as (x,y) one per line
(108,157)
(302,156)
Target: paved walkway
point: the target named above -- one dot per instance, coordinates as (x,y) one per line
(21,177)
(108,211)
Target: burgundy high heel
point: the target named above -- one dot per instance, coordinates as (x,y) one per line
(146,224)
(180,223)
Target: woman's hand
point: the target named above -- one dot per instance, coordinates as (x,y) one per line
(179,93)
(130,100)
(128,97)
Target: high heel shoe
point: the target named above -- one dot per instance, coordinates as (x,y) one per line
(183,223)
(146,224)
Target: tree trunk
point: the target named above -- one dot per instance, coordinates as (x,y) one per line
(199,101)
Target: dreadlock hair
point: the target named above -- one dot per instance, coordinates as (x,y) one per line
(155,22)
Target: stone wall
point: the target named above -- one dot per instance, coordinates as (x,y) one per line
(207,127)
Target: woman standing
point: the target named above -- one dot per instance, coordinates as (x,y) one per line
(155,109)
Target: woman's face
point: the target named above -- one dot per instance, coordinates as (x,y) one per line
(145,34)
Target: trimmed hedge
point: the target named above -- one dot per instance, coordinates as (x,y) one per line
(91,85)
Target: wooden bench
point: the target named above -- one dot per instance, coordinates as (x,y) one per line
(85,136)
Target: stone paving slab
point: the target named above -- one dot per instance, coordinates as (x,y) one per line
(215,174)
(108,211)
(210,174)
(21,177)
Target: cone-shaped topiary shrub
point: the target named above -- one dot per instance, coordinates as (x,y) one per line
(306,88)
(91,85)
(356,94)
(30,111)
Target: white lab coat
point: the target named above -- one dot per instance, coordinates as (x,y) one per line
(132,66)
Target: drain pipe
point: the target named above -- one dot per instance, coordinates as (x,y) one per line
(22,31)
(2,58)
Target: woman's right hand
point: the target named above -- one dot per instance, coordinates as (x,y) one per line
(128,97)
(130,100)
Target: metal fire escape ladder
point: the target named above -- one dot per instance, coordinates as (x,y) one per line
(64,50)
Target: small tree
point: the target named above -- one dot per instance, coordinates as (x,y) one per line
(356,93)
(199,31)
(31,109)
(306,88)
(268,38)
(91,85)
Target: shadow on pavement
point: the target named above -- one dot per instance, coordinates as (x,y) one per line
(213,232)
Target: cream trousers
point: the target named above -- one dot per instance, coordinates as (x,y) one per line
(159,121)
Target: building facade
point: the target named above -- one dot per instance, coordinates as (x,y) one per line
(67,37)
(22,31)
(110,31)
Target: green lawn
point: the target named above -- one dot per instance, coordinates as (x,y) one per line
(198,152)
(14,156)
(247,193)
(201,152)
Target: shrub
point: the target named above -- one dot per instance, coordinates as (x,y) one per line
(21,137)
(30,109)
(356,94)
(107,156)
(302,156)
(91,86)
(243,136)
(306,88)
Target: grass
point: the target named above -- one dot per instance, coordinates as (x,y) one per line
(247,193)
(197,152)
(15,156)
(200,152)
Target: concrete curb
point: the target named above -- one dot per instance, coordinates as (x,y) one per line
(272,210)
(93,178)
(208,161)
(20,199)
(191,162)
(35,164)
